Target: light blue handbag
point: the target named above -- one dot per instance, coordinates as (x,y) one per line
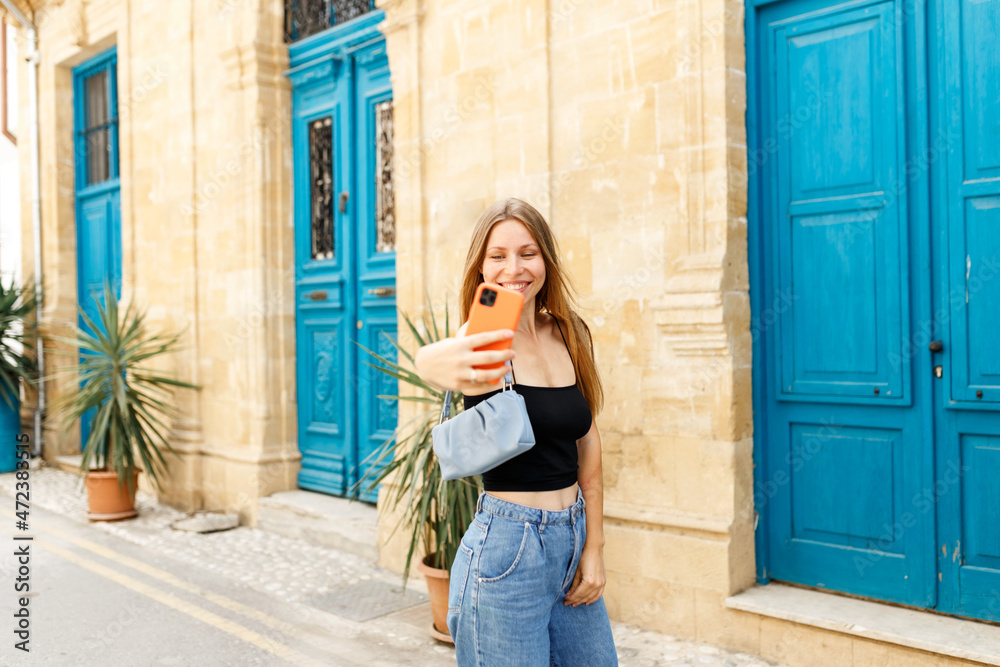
(484,436)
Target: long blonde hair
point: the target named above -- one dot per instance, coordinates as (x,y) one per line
(555,297)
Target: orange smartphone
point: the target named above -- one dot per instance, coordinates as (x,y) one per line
(494,308)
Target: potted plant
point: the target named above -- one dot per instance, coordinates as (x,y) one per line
(17,331)
(435,512)
(130,402)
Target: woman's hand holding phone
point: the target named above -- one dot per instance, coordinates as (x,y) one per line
(478,356)
(449,363)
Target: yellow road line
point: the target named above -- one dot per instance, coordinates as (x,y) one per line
(166,577)
(226,603)
(191,610)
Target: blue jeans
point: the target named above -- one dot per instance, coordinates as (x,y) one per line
(515,565)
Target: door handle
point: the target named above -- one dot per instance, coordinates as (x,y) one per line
(318,295)
(935,346)
(343,202)
(383,291)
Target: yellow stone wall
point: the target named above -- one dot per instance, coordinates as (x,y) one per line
(623,123)
(205,156)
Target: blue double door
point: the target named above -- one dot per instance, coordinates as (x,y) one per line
(345,252)
(874,159)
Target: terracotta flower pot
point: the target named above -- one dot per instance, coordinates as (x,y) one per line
(437,589)
(109,501)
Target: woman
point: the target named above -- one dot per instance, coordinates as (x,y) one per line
(526,585)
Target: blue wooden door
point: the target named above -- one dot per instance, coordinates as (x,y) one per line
(876,350)
(345,250)
(965,82)
(375,287)
(98,196)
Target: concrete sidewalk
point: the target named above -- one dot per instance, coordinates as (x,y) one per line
(332,607)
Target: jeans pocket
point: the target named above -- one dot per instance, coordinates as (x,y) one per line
(502,550)
(458,579)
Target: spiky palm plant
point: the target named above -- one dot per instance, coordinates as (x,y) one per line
(130,400)
(436,512)
(17,332)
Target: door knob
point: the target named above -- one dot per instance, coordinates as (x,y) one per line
(935,346)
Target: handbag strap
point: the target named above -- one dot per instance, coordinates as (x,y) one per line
(446,408)
(508,383)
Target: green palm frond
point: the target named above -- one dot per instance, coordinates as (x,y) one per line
(133,403)
(436,512)
(18,329)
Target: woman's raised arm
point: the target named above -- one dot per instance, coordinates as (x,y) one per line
(448,363)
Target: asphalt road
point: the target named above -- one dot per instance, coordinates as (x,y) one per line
(96,599)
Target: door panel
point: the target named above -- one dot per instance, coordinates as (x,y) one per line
(345,271)
(976,372)
(98,260)
(836,158)
(967,261)
(977,62)
(323,288)
(376,248)
(322,280)
(980,500)
(875,488)
(323,456)
(967,498)
(98,193)
(874,194)
(847,449)
(97,219)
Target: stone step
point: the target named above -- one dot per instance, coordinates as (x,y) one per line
(70,464)
(327,521)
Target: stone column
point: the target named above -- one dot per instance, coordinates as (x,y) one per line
(245,231)
(401,28)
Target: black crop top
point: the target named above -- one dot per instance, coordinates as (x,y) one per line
(559,417)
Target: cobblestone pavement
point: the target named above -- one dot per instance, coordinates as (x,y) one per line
(294,571)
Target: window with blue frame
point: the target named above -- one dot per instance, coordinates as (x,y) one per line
(308,17)
(97,122)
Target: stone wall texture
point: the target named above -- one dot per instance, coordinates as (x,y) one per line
(622,122)
(205,159)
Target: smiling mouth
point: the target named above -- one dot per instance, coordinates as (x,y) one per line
(518,286)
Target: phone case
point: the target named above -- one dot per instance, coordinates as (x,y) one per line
(503,314)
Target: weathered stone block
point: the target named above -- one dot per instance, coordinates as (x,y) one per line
(793,644)
(650,603)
